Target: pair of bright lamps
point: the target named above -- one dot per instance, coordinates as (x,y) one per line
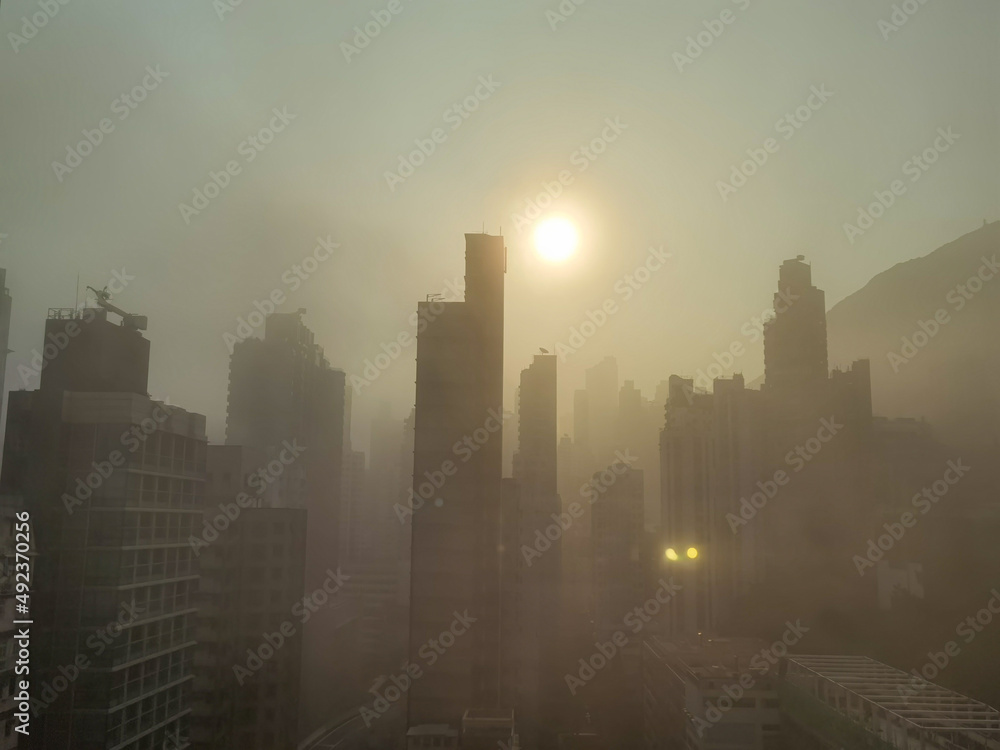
(692,553)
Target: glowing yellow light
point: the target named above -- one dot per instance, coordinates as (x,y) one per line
(671,554)
(555,239)
(692,552)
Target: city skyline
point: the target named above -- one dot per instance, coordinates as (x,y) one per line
(654,186)
(512,375)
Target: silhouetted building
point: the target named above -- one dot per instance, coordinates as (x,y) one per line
(795,338)
(250,607)
(283,392)
(457,468)
(114,482)
(767,485)
(356,516)
(385,538)
(533,545)
(711,458)
(639,422)
(619,580)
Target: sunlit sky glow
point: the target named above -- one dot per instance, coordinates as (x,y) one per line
(525,143)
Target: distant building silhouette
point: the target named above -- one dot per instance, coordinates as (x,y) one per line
(766,483)
(282,389)
(532,560)
(795,338)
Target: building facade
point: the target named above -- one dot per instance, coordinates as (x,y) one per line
(457,470)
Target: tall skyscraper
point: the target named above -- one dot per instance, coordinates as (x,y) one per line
(617,546)
(710,453)
(602,410)
(283,391)
(532,567)
(795,338)
(456,530)
(114,482)
(687,468)
(639,421)
(801,444)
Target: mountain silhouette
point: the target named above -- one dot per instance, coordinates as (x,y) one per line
(931,328)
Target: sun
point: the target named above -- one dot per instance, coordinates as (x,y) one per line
(556,239)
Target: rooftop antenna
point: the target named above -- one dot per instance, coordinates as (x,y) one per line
(76,302)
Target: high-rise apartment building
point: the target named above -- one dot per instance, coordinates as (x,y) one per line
(757,481)
(533,561)
(795,338)
(114,483)
(283,392)
(617,546)
(457,469)
(249,608)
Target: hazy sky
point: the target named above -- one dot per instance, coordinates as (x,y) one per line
(552,92)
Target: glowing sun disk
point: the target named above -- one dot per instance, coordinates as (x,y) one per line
(556,239)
